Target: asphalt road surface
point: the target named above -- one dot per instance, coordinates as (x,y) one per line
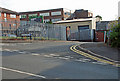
(51,60)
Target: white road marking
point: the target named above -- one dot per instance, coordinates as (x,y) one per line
(100,63)
(54,55)
(48,56)
(63,58)
(35,54)
(68,56)
(22,52)
(22,72)
(83,60)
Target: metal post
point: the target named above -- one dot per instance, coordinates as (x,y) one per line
(34,31)
(48,32)
(60,32)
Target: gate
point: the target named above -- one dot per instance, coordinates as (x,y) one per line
(86,35)
(82,35)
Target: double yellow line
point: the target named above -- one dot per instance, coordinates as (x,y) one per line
(73,48)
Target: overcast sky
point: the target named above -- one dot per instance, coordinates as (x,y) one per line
(108,9)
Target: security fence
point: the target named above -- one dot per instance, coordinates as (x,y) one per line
(43,31)
(34,30)
(81,35)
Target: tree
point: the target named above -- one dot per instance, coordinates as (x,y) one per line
(98,16)
(115,36)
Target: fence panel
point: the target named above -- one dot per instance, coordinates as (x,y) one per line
(35,29)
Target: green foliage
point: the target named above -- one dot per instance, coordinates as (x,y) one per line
(49,22)
(115,36)
(99,17)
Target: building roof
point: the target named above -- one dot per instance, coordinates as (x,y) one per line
(38,11)
(7,11)
(74,20)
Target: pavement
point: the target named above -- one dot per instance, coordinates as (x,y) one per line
(51,60)
(102,49)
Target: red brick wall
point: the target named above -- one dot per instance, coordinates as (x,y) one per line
(9,20)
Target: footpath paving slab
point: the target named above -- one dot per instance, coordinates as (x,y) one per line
(103,50)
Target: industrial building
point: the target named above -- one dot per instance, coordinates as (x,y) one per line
(51,15)
(79,29)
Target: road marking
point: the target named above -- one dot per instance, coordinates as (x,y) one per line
(22,72)
(100,63)
(48,56)
(63,58)
(22,52)
(100,55)
(54,55)
(83,60)
(68,56)
(73,48)
(35,54)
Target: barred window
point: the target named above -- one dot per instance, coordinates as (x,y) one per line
(56,13)
(23,16)
(30,15)
(44,14)
(12,16)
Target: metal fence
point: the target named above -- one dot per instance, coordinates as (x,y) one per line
(35,29)
(82,35)
(44,31)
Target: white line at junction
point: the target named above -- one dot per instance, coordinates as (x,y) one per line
(22,72)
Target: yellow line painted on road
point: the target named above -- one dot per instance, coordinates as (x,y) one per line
(73,48)
(22,72)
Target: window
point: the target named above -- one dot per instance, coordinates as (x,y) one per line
(23,16)
(12,16)
(54,20)
(83,27)
(44,14)
(56,13)
(4,14)
(31,15)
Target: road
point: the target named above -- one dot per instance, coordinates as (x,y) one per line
(51,60)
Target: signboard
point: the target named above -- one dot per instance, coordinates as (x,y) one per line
(36,18)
